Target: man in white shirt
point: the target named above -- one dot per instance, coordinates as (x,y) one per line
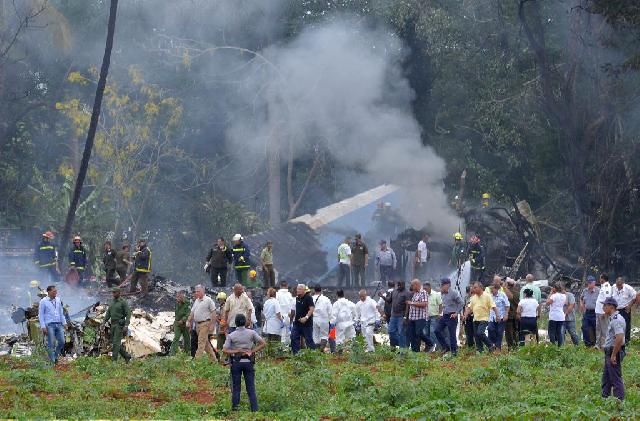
(321,317)
(626,297)
(203,314)
(422,256)
(287,303)
(602,320)
(343,313)
(344,263)
(368,317)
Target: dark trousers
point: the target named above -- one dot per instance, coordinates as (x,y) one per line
(447,323)
(612,377)
(386,272)
(626,315)
(269,276)
(496,331)
(477,275)
(528,325)
(481,338)
(222,272)
(344,275)
(194,342)
(511,333)
(589,328)
(49,274)
(239,369)
(469,333)
(122,273)
(415,334)
(556,332)
(143,277)
(301,330)
(111,278)
(358,276)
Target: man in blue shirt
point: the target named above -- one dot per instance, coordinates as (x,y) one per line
(497,324)
(52,322)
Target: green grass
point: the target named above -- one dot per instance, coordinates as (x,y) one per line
(535,381)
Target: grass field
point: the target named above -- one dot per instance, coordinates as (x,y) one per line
(535,381)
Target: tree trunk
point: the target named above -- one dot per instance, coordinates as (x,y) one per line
(93,125)
(273,172)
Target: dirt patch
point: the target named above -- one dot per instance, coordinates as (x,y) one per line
(46,396)
(62,367)
(156,401)
(201,398)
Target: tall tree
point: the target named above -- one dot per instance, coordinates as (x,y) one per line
(93,125)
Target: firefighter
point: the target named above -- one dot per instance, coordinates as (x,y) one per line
(241,254)
(477,258)
(78,258)
(458,252)
(142,267)
(46,258)
(109,261)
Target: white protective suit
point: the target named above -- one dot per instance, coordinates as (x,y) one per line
(287,303)
(343,315)
(272,323)
(321,318)
(367,315)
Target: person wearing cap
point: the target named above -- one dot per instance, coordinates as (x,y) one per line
(452,305)
(180,325)
(626,297)
(141,268)
(78,258)
(359,262)
(119,313)
(386,262)
(588,302)
(458,251)
(344,263)
(477,259)
(614,350)
(266,261)
(45,257)
(602,320)
(217,263)
(220,322)
(203,313)
(321,317)
(303,320)
(241,255)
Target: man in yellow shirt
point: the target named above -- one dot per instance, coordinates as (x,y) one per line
(481,304)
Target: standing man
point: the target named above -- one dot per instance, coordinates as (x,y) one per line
(423,255)
(287,305)
(78,258)
(498,320)
(217,265)
(240,345)
(110,263)
(588,303)
(52,322)
(303,320)
(359,262)
(383,306)
(180,326)
(458,252)
(386,262)
(368,317)
(481,304)
(398,300)
(477,259)
(417,318)
(241,255)
(237,303)
(119,313)
(626,297)
(614,351)
(266,261)
(221,324)
(537,294)
(435,310)
(123,262)
(321,317)
(344,263)
(512,325)
(602,320)
(46,258)
(452,304)
(570,316)
(203,313)
(142,267)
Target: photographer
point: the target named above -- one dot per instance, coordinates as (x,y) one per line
(240,347)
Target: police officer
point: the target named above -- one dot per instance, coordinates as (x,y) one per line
(46,258)
(614,351)
(240,346)
(119,313)
(78,258)
(142,267)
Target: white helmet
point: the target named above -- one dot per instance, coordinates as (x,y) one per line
(237,237)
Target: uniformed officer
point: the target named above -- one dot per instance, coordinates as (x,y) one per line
(119,313)
(180,326)
(613,351)
(240,345)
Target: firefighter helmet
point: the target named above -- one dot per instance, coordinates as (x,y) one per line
(48,234)
(253,273)
(237,237)
(221,295)
(457,236)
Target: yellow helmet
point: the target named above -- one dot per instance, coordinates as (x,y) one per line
(221,296)
(486,196)
(253,273)
(457,236)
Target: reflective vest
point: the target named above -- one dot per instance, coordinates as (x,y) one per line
(241,256)
(78,258)
(45,255)
(476,256)
(143,260)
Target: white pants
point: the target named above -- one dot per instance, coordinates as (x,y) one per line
(320,330)
(367,332)
(344,333)
(285,336)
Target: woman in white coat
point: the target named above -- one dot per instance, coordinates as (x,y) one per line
(273,320)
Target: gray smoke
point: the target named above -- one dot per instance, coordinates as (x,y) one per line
(341,86)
